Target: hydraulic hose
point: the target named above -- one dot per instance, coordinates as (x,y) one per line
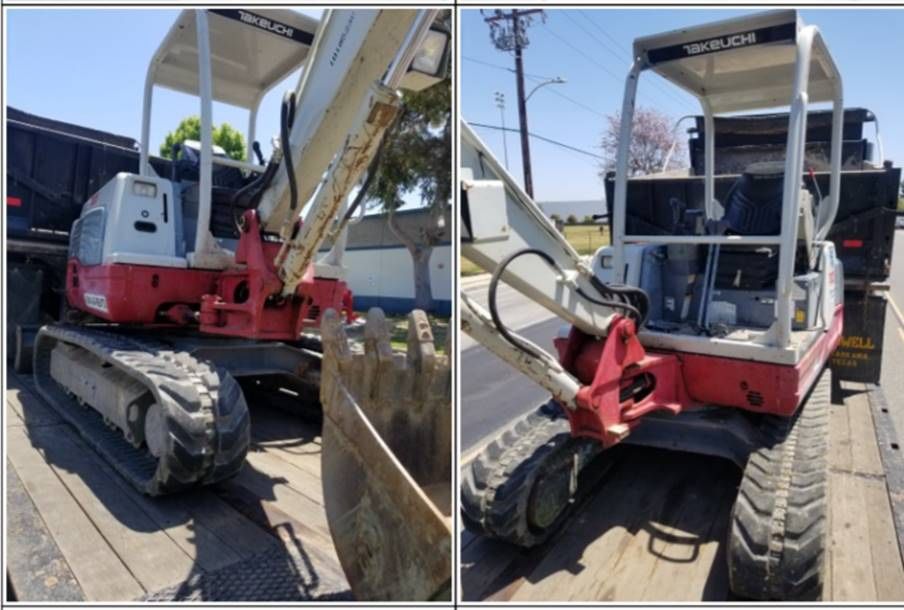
(286,118)
(252,192)
(633,301)
(491,297)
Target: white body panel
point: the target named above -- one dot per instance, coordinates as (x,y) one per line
(503,220)
(139,229)
(741,343)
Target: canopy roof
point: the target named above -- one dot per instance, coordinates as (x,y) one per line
(250,52)
(738,64)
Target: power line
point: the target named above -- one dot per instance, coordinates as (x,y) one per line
(618,45)
(619,54)
(537,78)
(543,138)
(591,59)
(584,55)
(498,67)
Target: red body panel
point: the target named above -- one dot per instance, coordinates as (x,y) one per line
(133,294)
(675,382)
(243,302)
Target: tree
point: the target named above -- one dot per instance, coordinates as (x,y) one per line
(650,143)
(571,220)
(588,220)
(555,218)
(224,136)
(417,157)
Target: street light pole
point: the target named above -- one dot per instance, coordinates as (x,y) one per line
(553,81)
(500,103)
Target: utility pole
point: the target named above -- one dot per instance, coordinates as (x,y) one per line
(508,31)
(500,103)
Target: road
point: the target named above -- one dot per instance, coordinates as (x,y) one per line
(493,393)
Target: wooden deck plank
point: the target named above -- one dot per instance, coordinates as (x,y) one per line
(149,553)
(852,570)
(208,550)
(36,569)
(304,456)
(275,504)
(886,555)
(690,560)
(299,479)
(580,563)
(32,411)
(840,457)
(99,571)
(864,448)
(619,561)
(12,418)
(243,535)
(288,436)
(295,535)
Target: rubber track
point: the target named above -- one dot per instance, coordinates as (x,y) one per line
(497,484)
(209,426)
(778,528)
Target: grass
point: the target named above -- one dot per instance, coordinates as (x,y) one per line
(586,239)
(467,268)
(398,330)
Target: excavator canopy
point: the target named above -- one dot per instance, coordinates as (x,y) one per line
(250,52)
(739,64)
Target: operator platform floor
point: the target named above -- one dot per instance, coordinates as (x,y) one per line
(653,524)
(78,531)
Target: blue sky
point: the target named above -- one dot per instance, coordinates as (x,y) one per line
(88,66)
(590,49)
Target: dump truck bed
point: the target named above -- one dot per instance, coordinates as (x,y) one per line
(78,531)
(653,525)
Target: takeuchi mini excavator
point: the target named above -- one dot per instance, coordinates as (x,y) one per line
(654,353)
(177,285)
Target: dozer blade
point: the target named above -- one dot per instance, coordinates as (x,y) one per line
(387,460)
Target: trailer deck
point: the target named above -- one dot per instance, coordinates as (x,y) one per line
(652,526)
(78,531)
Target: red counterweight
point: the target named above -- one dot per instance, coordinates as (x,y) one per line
(623,381)
(242,302)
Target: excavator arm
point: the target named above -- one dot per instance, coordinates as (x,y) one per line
(346,100)
(505,233)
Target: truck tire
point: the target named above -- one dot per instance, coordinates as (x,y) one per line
(520,488)
(777,542)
